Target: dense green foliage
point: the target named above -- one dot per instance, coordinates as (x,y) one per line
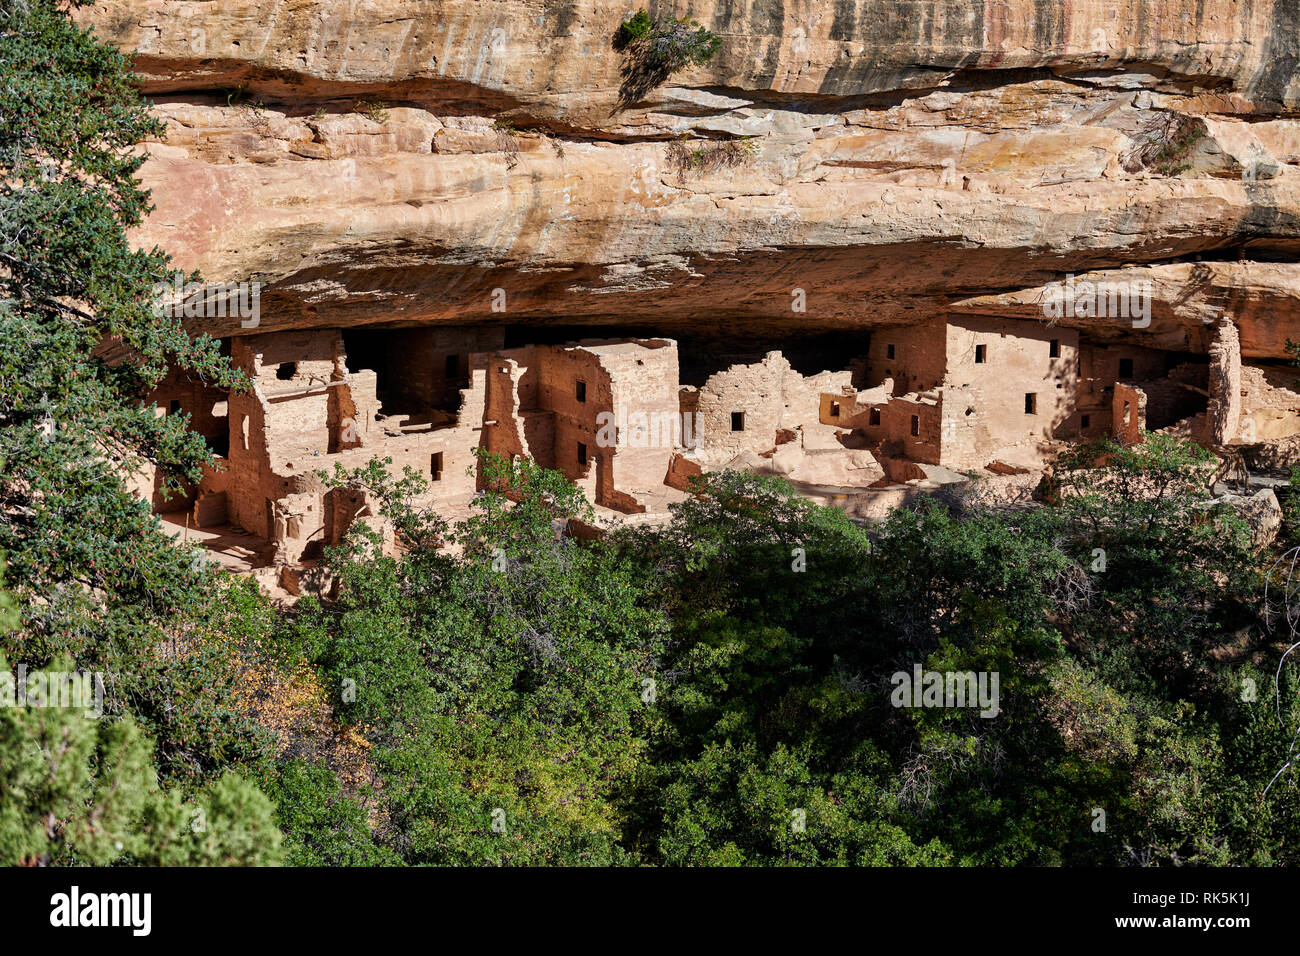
(669,44)
(501,688)
(717,691)
(75,789)
(98,584)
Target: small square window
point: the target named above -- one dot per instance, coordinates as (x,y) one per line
(1085,421)
(582,391)
(981,353)
(737,421)
(582,454)
(889,351)
(1054,348)
(875,416)
(1031,403)
(173,406)
(835,409)
(1126,368)
(916,425)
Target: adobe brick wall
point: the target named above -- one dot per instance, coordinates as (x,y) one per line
(1223,414)
(752,391)
(918,363)
(1270,402)
(644,382)
(413,363)
(1128,415)
(986,402)
(533,397)
(773,398)
(1100,370)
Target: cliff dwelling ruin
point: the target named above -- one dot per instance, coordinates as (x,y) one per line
(946,401)
(463,250)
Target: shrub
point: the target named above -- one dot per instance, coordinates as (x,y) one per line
(374,110)
(1163,143)
(507,141)
(680,44)
(711,156)
(639,27)
(654,50)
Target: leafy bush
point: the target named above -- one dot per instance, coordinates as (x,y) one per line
(654,50)
(638,27)
(374,110)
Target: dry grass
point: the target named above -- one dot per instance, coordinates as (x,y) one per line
(710,157)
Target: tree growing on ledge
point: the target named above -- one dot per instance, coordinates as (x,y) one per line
(96,579)
(656,49)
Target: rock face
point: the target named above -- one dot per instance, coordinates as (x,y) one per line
(907,158)
(1113,184)
(1260,511)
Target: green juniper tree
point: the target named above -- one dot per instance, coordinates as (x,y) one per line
(503,688)
(653,50)
(75,789)
(81,348)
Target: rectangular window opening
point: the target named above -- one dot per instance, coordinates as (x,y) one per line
(981,352)
(435,466)
(737,421)
(1031,403)
(1126,368)
(582,454)
(875,416)
(581,391)
(916,425)
(1054,348)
